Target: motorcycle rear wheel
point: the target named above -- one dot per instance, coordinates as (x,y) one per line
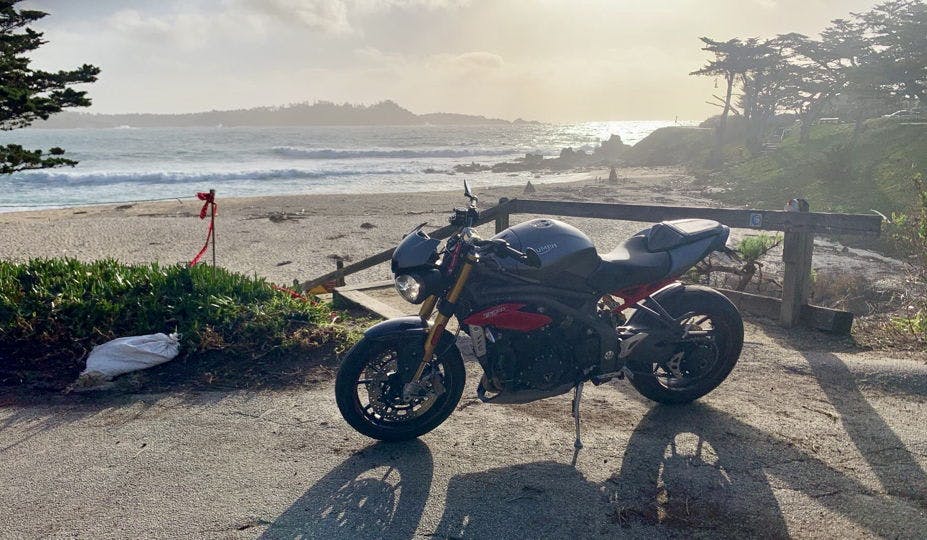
(368,390)
(698,369)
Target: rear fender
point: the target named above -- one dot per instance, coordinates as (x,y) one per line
(410,333)
(644,320)
(660,341)
(651,340)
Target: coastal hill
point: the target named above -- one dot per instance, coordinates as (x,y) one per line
(320,113)
(836,170)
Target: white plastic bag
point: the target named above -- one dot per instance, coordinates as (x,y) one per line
(124,355)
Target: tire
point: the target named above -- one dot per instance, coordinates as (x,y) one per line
(728,331)
(363,357)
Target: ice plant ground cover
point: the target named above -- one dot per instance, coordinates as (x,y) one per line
(53,311)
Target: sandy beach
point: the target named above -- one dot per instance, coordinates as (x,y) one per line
(286,238)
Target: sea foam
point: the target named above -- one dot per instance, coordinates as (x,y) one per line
(173,177)
(328,153)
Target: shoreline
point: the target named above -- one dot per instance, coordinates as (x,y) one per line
(311,160)
(536,178)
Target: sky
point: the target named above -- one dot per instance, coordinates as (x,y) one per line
(547,60)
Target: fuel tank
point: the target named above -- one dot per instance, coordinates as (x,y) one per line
(565,251)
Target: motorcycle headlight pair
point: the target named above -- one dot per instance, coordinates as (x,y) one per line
(416,287)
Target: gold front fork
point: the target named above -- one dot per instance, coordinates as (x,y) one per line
(434,333)
(428,308)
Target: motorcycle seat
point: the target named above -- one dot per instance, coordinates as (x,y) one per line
(630,264)
(653,254)
(667,235)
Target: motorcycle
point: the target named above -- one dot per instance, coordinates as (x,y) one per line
(545,313)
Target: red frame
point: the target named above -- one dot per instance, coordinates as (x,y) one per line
(633,295)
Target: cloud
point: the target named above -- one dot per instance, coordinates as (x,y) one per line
(384,5)
(130,21)
(186,29)
(477,60)
(337,16)
(330,16)
(469,65)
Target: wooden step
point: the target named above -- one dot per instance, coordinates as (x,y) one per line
(357,296)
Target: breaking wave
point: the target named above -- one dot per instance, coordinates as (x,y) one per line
(328,153)
(167,177)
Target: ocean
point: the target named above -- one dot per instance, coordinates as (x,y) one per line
(128,164)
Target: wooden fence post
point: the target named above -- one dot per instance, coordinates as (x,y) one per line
(339,265)
(797,248)
(502,220)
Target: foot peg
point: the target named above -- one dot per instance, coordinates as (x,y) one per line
(578,443)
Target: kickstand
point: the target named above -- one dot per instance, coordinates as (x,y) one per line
(577,444)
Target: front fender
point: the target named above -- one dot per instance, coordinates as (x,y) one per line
(389,329)
(410,332)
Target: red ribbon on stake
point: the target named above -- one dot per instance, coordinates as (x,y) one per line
(210,203)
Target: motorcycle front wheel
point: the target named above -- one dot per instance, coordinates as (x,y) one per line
(369,389)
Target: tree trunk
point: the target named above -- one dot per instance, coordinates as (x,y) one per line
(858,127)
(805,133)
(746,277)
(756,134)
(814,110)
(716,158)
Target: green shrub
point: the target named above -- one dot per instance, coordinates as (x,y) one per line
(53,311)
(751,248)
(909,233)
(832,170)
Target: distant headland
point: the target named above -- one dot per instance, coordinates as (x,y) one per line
(320,113)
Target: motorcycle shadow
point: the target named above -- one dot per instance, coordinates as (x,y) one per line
(686,471)
(535,500)
(379,492)
(697,470)
(690,471)
(681,472)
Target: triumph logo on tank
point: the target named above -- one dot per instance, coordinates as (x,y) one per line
(545,248)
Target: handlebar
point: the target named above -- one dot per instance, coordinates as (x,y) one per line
(464,217)
(502,248)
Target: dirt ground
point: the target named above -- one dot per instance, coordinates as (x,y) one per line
(804,443)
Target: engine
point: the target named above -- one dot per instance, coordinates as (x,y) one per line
(525,366)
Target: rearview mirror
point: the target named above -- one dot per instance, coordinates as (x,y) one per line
(468,193)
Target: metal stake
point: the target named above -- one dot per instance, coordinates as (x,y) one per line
(212,194)
(577,444)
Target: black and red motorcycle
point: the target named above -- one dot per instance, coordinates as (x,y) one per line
(545,313)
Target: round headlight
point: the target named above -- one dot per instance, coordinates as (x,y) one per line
(409,288)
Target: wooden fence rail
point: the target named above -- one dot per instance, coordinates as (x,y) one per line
(797,222)
(800,221)
(490,214)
